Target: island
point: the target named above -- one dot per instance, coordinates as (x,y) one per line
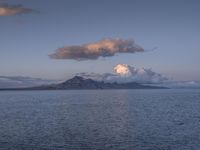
(78,83)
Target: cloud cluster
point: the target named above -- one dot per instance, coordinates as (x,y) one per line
(124,73)
(92,51)
(10,10)
(141,75)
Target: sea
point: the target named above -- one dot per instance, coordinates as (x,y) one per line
(153,119)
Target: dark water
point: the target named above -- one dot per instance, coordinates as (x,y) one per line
(100,119)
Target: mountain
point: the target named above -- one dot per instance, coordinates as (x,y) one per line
(78,82)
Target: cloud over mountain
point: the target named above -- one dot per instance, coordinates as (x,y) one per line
(124,73)
(10,10)
(104,48)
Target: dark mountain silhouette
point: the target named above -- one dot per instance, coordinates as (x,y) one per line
(78,82)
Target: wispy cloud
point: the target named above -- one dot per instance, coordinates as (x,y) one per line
(104,48)
(20,81)
(11,10)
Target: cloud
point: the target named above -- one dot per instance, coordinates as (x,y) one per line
(11,10)
(182,84)
(104,48)
(20,81)
(124,73)
(98,77)
(141,75)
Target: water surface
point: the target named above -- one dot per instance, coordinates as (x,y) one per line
(100,119)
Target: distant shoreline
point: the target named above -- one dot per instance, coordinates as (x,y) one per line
(80,83)
(28,89)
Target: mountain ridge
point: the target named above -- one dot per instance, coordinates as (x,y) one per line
(80,83)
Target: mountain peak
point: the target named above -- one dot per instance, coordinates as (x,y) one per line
(75,79)
(78,77)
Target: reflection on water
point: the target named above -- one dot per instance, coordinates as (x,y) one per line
(100,119)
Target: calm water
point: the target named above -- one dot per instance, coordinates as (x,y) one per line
(100,119)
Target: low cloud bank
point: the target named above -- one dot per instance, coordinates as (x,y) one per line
(92,51)
(19,81)
(182,84)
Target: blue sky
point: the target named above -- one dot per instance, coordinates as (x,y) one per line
(172,26)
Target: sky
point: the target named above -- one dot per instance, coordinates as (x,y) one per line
(32,32)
